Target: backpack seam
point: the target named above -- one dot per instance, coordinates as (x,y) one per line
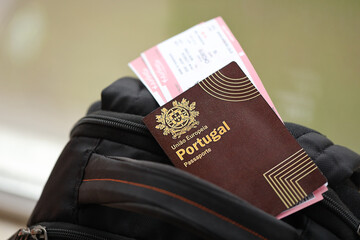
(78,183)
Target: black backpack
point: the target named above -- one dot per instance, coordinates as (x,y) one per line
(113,181)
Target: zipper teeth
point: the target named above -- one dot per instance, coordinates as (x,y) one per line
(57,232)
(330,203)
(115,122)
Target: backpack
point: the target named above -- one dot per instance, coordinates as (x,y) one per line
(113,181)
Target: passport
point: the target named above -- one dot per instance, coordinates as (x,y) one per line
(222,130)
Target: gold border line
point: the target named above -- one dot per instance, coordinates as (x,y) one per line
(228,100)
(297,166)
(242,83)
(292,166)
(278,185)
(235,97)
(293,158)
(312,166)
(309,161)
(274,186)
(234,81)
(229,78)
(240,91)
(234,88)
(297,181)
(280,180)
(281,196)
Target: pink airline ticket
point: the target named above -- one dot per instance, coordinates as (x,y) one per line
(142,71)
(185,59)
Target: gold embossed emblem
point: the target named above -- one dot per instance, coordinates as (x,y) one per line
(179,119)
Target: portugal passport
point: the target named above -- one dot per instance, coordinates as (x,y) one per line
(222,130)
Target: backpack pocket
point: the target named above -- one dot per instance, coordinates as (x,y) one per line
(175,196)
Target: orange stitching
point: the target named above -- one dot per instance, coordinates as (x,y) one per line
(195,204)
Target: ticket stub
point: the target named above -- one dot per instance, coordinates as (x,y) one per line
(183,60)
(142,71)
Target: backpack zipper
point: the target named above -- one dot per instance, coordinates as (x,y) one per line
(72,234)
(114,120)
(40,232)
(342,212)
(36,232)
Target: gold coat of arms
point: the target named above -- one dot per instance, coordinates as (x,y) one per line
(179,119)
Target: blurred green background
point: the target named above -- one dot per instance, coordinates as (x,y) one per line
(56,57)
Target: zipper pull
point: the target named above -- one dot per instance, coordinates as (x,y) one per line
(36,233)
(40,231)
(23,234)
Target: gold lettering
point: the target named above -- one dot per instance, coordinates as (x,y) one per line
(200,142)
(208,139)
(194,145)
(221,130)
(214,135)
(225,124)
(190,150)
(180,153)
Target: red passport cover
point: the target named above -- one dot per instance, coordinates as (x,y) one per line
(223,131)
